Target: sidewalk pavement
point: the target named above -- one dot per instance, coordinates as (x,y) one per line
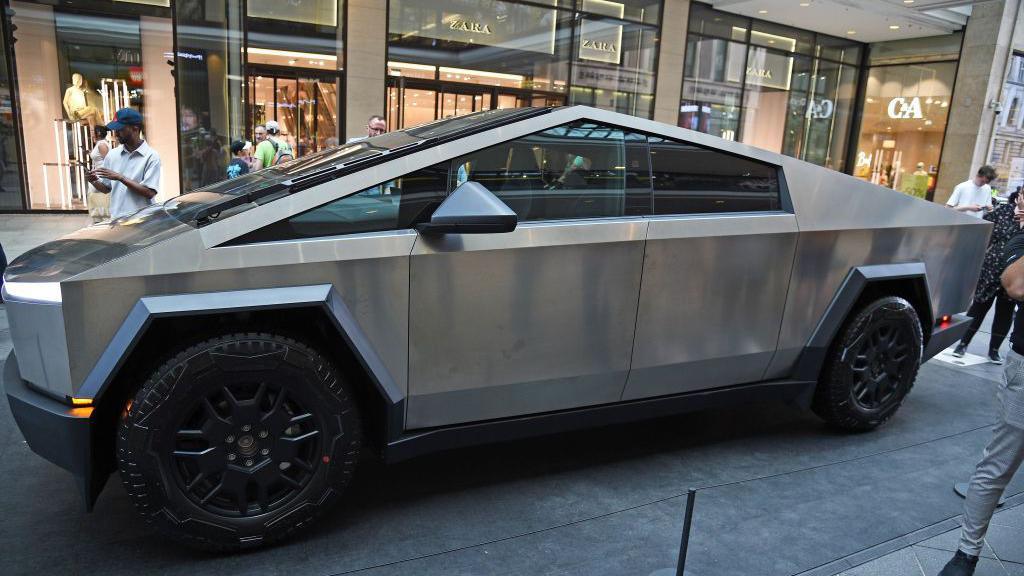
(926,551)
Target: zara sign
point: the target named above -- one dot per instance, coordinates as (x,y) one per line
(901,108)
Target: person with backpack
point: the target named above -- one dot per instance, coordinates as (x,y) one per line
(274,150)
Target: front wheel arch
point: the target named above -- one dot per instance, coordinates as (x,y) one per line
(309,323)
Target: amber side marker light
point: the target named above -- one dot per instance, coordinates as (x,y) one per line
(81,401)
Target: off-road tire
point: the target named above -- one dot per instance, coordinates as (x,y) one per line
(300,404)
(862,354)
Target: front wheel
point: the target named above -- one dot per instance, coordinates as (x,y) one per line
(871,366)
(238,440)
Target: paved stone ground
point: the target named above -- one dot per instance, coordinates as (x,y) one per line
(780,494)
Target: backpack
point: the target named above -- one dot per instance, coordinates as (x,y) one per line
(280,155)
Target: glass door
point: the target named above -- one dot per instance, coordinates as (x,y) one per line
(457,102)
(306,108)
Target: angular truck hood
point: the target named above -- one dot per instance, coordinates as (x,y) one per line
(92,246)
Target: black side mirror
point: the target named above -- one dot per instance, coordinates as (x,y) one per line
(471,209)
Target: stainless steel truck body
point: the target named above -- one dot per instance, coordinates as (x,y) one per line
(493,276)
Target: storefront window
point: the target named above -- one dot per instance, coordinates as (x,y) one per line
(645,11)
(209,71)
(828,115)
(1008,143)
(614,66)
(294,58)
(75,69)
(452,57)
(11,193)
(708,22)
(713,86)
(778,37)
(904,119)
(770,86)
(772,111)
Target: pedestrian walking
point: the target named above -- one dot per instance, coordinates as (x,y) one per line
(240,162)
(1005,451)
(974,196)
(274,149)
(989,290)
(131,171)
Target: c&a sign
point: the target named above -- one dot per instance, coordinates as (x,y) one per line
(901,108)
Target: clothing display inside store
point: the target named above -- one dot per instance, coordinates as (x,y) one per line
(76,68)
(80,102)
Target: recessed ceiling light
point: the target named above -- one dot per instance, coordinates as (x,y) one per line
(908,1)
(762,11)
(851,32)
(805,4)
(894,26)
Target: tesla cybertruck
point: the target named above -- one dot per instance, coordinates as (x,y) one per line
(234,351)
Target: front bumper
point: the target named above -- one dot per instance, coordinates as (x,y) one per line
(59,433)
(946,334)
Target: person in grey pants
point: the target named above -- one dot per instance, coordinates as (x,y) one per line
(1005,451)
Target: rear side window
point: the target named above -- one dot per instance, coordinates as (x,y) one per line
(580,170)
(393,205)
(689,179)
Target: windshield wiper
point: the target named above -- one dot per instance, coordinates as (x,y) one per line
(209,213)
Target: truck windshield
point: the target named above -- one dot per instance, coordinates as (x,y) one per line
(275,181)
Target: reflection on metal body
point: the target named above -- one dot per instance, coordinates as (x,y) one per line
(37,334)
(281,299)
(535,320)
(369,271)
(714,290)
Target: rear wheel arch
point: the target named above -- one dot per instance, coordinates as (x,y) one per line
(862,286)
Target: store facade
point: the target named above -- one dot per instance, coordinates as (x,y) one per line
(906,105)
(450,57)
(206,72)
(778,88)
(201,73)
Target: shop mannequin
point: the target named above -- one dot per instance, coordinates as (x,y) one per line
(77,105)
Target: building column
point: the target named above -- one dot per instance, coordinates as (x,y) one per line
(365,63)
(672,46)
(979,80)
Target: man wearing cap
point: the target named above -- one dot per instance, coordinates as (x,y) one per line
(130,172)
(240,162)
(274,150)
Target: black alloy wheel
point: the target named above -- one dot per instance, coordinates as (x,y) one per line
(881,365)
(871,365)
(239,440)
(246,448)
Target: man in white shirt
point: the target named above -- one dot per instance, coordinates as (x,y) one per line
(130,172)
(974,196)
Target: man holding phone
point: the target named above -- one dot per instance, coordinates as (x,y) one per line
(130,172)
(974,196)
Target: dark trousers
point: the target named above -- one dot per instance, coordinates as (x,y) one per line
(1000,324)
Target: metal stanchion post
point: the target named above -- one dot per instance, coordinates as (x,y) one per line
(684,542)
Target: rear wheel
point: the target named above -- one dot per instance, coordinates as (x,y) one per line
(239,440)
(871,366)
